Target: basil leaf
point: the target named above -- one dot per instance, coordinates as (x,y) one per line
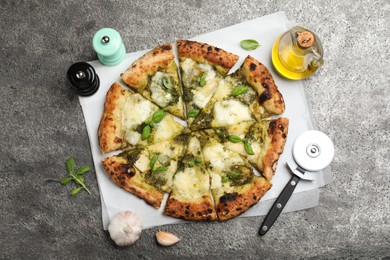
(148,121)
(145,132)
(153,161)
(158,116)
(83,170)
(193,113)
(202,81)
(225,179)
(191,164)
(248,148)
(235,139)
(166,83)
(70,164)
(75,191)
(65,180)
(159,169)
(249,44)
(239,90)
(233,175)
(198,160)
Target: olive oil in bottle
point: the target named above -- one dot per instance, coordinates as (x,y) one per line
(297,53)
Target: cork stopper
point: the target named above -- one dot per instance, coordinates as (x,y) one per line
(305,39)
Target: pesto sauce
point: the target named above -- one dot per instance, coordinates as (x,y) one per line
(156,180)
(131,156)
(245,177)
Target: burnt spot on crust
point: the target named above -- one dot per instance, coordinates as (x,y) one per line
(166,47)
(264,97)
(252,67)
(117,140)
(128,169)
(227,197)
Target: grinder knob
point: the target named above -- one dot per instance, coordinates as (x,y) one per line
(83,79)
(109,47)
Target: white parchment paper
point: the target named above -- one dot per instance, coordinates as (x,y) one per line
(265,30)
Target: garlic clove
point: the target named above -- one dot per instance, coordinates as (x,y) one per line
(125,228)
(166,238)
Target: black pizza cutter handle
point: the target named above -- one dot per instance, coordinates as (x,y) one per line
(279,204)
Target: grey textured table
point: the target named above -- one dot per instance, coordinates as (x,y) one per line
(42,125)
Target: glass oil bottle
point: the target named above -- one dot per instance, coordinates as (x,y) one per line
(297,53)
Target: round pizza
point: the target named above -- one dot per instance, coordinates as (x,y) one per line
(217,164)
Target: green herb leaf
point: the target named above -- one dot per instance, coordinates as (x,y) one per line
(248,148)
(202,80)
(145,132)
(65,180)
(153,161)
(83,170)
(225,179)
(193,113)
(249,44)
(76,190)
(239,90)
(198,160)
(158,116)
(159,169)
(166,83)
(70,164)
(152,124)
(148,121)
(235,139)
(233,175)
(191,164)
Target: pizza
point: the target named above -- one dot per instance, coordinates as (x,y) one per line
(221,164)
(129,120)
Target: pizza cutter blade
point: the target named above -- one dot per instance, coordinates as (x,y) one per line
(312,151)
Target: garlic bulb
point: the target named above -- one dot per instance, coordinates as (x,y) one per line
(125,228)
(166,238)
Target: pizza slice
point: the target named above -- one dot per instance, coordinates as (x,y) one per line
(129,120)
(250,93)
(155,77)
(202,67)
(234,185)
(147,172)
(262,143)
(190,197)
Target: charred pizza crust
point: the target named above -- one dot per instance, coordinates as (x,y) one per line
(205,53)
(233,204)
(110,127)
(200,210)
(129,178)
(259,77)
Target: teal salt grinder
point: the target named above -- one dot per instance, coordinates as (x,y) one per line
(109,47)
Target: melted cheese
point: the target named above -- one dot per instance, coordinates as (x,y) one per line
(216,181)
(191,184)
(187,65)
(159,95)
(207,70)
(136,111)
(229,112)
(202,95)
(142,163)
(167,129)
(220,158)
(132,137)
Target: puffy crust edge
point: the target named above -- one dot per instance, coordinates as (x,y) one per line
(203,52)
(201,210)
(137,74)
(258,76)
(129,178)
(109,131)
(234,204)
(277,130)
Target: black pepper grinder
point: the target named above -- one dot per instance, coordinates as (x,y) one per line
(83,79)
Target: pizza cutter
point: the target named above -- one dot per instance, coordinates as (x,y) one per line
(312,151)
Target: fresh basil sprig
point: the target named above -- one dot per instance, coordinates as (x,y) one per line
(239,90)
(150,123)
(194,161)
(247,146)
(249,44)
(77,177)
(159,169)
